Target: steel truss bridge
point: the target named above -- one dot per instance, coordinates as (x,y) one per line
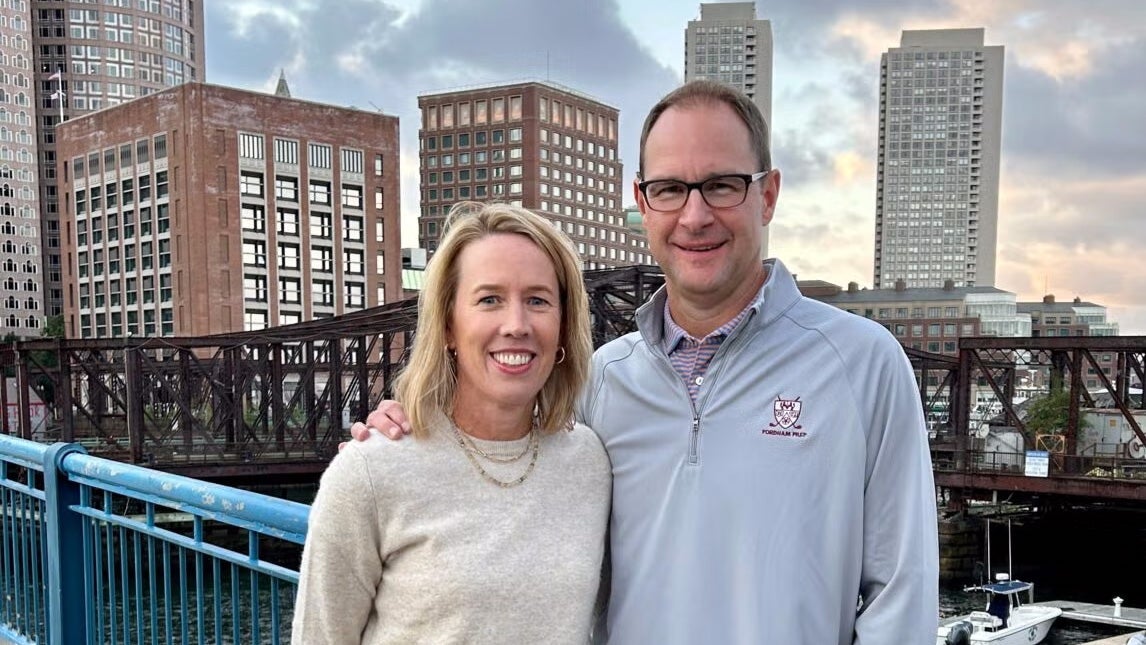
(278,401)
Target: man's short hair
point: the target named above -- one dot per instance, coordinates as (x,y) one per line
(702,92)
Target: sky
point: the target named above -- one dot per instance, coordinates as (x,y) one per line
(1072,205)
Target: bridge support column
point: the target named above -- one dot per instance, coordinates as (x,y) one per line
(960,547)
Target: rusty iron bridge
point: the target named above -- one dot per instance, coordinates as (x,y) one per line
(277,402)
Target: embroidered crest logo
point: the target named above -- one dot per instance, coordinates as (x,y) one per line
(786,413)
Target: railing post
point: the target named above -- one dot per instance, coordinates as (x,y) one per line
(67,614)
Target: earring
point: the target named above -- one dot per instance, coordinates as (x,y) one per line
(562,359)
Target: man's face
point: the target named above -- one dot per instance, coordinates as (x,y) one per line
(710,256)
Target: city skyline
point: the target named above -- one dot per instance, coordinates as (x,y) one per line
(1074,147)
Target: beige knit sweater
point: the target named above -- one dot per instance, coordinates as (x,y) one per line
(409,544)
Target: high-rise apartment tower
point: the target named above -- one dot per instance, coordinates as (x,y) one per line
(104,54)
(729,44)
(536,144)
(21,278)
(937,182)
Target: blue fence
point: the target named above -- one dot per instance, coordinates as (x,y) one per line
(96,551)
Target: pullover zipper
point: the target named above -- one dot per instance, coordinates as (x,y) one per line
(694,438)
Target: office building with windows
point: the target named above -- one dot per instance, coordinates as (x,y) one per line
(535,144)
(91,55)
(21,278)
(1075,318)
(937,181)
(203,210)
(730,45)
(931,319)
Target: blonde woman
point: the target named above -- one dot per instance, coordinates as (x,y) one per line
(490,526)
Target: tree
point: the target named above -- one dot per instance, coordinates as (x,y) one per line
(53,327)
(1051,414)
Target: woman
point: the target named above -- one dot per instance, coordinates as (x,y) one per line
(489,527)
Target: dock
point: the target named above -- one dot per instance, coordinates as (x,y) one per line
(1086,612)
(1113,640)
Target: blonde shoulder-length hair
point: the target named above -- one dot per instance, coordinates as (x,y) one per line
(427,385)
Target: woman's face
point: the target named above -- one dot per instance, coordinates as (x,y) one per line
(505,322)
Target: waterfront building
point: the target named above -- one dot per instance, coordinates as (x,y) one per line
(931,319)
(534,144)
(1075,318)
(21,264)
(729,44)
(205,209)
(937,181)
(89,56)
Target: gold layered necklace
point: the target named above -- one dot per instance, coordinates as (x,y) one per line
(474,452)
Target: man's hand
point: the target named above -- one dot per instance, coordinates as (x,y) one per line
(388,419)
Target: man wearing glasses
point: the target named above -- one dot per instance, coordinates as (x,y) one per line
(771,476)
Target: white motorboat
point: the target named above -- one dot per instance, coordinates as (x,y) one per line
(1006,621)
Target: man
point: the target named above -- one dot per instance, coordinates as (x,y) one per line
(770,464)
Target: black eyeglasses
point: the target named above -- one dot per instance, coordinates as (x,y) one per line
(722,191)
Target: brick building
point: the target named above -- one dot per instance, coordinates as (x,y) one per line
(535,144)
(204,209)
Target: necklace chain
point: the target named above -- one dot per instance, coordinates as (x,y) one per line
(472,452)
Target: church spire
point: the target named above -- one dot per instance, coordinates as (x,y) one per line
(282,89)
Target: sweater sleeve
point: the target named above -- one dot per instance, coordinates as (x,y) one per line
(900,571)
(342,558)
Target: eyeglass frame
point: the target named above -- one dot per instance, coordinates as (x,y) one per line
(698,186)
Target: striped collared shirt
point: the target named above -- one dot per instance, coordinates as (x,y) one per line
(690,356)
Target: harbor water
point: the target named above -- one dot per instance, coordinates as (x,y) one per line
(1080,555)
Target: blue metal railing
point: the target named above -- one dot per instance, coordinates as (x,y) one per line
(97,551)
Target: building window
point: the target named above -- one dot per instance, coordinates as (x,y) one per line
(322,259)
(254,253)
(250,183)
(351,196)
(254,320)
(288,256)
(250,146)
(353,262)
(323,293)
(320,192)
(321,225)
(286,151)
(287,221)
(352,230)
(290,291)
(377,165)
(253,218)
(286,188)
(318,155)
(352,161)
(255,287)
(355,295)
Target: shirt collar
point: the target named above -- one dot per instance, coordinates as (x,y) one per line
(674,333)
